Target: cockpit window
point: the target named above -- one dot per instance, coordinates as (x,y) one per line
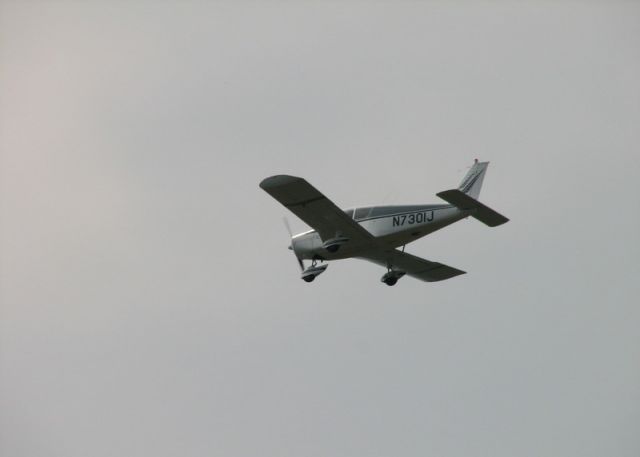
(361,213)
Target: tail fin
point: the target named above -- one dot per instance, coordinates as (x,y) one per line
(472,182)
(465,197)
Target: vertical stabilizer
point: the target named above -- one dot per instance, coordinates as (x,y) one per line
(472,182)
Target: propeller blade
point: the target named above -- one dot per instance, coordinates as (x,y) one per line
(286,224)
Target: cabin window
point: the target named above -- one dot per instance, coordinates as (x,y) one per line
(362,213)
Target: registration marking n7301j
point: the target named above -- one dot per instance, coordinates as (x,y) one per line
(413,218)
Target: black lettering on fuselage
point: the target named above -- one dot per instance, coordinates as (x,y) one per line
(412,218)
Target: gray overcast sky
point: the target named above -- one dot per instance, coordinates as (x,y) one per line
(148,303)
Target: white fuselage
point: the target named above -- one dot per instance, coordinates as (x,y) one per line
(393,225)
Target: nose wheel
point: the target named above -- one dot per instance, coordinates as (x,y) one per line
(310,273)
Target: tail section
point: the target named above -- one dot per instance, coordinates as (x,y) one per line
(465,203)
(465,197)
(472,182)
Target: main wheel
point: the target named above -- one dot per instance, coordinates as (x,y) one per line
(391,281)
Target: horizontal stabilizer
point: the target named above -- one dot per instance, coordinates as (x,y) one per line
(481,212)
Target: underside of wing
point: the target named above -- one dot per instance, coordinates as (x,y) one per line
(416,267)
(310,205)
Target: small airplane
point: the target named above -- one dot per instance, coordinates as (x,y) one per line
(374,233)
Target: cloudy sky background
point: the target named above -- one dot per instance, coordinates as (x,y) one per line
(148,303)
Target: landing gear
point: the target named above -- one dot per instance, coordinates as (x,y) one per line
(310,273)
(391,281)
(391,276)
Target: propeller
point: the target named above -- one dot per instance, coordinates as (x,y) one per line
(286,224)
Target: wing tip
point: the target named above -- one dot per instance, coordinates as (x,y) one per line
(277,181)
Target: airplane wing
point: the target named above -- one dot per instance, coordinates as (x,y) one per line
(416,267)
(306,202)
